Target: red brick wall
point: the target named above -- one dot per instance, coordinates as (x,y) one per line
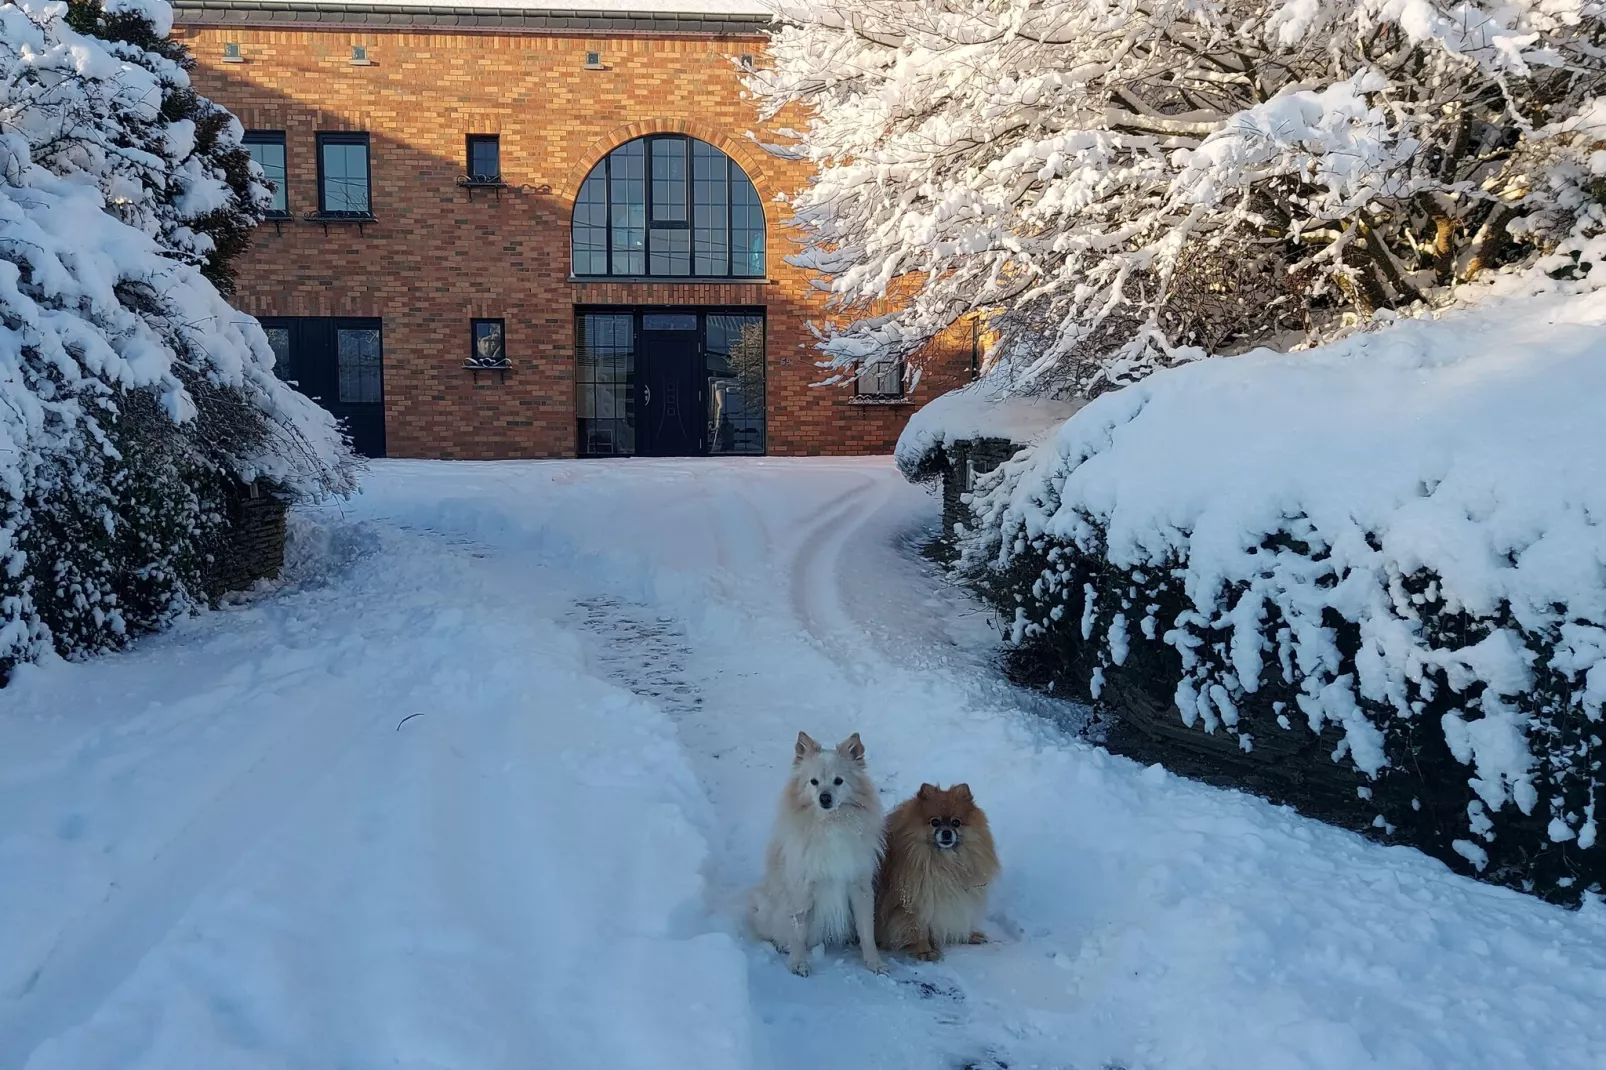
(438,257)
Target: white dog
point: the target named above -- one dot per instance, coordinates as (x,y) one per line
(819,878)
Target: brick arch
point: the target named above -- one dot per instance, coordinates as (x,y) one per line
(739,150)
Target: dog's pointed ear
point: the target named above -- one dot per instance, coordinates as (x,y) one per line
(852,747)
(963,792)
(806,746)
(926,791)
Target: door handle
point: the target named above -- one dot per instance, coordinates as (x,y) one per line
(646,395)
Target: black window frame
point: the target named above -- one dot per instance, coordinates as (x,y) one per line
(344,325)
(604,166)
(273,137)
(474,359)
(346,137)
(684,222)
(469,142)
(636,314)
(880,395)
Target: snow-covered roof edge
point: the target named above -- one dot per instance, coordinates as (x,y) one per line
(979,410)
(723,17)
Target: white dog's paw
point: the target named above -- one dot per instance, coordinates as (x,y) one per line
(798,966)
(874,964)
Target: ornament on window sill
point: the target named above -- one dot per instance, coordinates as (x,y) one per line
(488,352)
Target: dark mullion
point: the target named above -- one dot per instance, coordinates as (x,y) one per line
(607,210)
(730,207)
(687,201)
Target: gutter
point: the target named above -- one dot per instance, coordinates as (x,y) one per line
(302,14)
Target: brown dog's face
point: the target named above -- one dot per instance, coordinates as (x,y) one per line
(948,814)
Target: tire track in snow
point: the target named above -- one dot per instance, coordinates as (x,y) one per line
(815,596)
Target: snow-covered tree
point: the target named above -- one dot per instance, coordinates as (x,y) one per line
(168,161)
(132,396)
(1118,185)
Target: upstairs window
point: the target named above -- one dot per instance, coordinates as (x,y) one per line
(267,149)
(668,206)
(484,158)
(343,175)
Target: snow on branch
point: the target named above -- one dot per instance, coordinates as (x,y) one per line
(1120,186)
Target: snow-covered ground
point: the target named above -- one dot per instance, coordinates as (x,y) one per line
(226,848)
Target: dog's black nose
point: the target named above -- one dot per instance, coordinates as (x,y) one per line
(825,799)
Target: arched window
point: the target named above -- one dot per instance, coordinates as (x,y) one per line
(668,206)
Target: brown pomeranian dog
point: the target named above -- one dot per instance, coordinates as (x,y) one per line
(931,889)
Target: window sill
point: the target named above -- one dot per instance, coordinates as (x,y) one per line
(876,400)
(325,219)
(674,280)
(472,185)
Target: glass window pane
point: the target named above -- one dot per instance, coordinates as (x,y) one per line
(357,353)
(735,366)
(279,341)
(489,344)
(747,227)
(668,180)
(269,155)
(700,217)
(669,321)
(882,378)
(628,185)
(591,225)
(605,382)
(484,159)
(345,178)
(710,210)
(671,252)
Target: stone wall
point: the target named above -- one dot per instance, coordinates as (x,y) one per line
(252,545)
(965,460)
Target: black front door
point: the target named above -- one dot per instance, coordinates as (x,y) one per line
(338,363)
(672,413)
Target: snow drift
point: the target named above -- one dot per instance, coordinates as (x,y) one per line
(1389,548)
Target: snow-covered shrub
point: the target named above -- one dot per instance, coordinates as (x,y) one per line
(1381,563)
(1119,186)
(980,410)
(131,394)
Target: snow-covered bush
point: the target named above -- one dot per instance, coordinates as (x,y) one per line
(1384,558)
(132,396)
(980,410)
(1119,186)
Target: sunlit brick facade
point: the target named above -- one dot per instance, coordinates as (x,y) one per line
(377,288)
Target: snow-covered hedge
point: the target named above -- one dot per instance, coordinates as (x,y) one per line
(1391,549)
(979,410)
(131,394)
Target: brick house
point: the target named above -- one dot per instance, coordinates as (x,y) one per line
(528,232)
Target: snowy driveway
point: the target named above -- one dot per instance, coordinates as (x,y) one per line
(227,849)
